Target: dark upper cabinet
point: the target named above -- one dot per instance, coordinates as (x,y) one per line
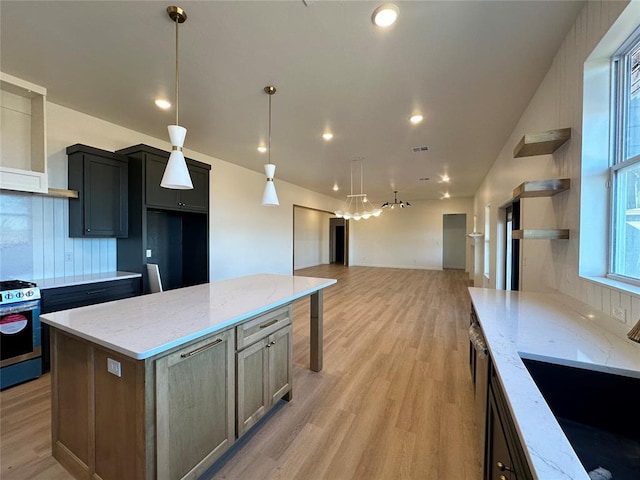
(196,199)
(101,179)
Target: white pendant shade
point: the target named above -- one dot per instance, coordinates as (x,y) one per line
(270,170)
(177,135)
(176,174)
(269,196)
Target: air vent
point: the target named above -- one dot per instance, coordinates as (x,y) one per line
(422,148)
(424,179)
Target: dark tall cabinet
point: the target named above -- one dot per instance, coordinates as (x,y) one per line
(166,227)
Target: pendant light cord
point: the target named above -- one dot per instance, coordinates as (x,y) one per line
(177,78)
(270,128)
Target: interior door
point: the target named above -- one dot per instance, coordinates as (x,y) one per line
(454,231)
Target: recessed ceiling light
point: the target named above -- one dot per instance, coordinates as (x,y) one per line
(335,187)
(262,149)
(163,104)
(445,178)
(446,195)
(385,15)
(327,135)
(415,119)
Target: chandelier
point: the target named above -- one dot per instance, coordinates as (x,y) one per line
(395,204)
(357,206)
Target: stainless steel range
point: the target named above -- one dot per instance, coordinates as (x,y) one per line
(20,345)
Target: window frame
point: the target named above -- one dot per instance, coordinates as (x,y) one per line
(620,66)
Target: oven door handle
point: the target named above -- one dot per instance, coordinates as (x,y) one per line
(19,307)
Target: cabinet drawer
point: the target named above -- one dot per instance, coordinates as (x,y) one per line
(63,298)
(262,326)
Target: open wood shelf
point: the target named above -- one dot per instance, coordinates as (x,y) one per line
(541,188)
(59,192)
(542,143)
(540,234)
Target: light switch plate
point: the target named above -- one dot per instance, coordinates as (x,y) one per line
(113,366)
(148,253)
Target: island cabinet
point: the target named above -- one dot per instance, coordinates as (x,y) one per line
(166,417)
(194,406)
(264,365)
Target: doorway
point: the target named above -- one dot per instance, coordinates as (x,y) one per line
(454,241)
(339,241)
(512,248)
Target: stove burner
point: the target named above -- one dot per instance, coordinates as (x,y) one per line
(15,285)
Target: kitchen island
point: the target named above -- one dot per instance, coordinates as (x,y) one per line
(149,387)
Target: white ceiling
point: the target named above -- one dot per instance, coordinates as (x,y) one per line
(470,67)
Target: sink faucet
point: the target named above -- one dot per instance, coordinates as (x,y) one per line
(634,333)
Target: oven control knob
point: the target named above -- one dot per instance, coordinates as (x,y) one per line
(19,295)
(29,293)
(9,296)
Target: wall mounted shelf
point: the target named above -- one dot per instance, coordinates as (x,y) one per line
(542,143)
(541,188)
(540,234)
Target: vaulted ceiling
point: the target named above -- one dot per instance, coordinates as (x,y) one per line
(469,67)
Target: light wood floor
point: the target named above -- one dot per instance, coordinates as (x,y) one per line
(394,401)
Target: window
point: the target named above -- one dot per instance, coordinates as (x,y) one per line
(487,243)
(625,171)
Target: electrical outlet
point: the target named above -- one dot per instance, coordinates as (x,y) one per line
(68,257)
(619,313)
(113,366)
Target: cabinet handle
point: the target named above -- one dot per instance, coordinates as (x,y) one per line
(88,229)
(268,324)
(93,292)
(502,477)
(200,349)
(502,467)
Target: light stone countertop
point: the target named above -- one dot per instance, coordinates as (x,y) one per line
(144,326)
(57,282)
(559,330)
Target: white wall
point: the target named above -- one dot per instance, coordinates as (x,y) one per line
(553,265)
(408,238)
(311,237)
(245,237)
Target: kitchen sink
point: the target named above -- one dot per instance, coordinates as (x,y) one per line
(598,412)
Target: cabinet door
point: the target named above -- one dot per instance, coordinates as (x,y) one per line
(106,193)
(252,395)
(498,462)
(102,180)
(197,199)
(280,364)
(155,194)
(194,406)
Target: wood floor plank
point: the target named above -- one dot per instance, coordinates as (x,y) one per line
(394,400)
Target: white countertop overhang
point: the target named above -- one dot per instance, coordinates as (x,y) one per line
(144,326)
(555,329)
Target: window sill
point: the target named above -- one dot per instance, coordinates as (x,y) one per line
(616,285)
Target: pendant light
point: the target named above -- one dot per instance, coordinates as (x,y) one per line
(176,173)
(395,203)
(270,197)
(357,206)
